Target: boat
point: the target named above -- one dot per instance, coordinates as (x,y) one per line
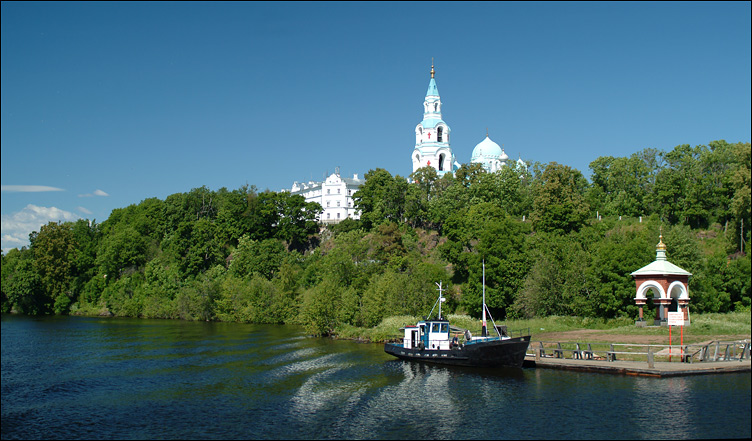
(430,340)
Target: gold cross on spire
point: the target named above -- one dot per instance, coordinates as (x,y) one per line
(432,71)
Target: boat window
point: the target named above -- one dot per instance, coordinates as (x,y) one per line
(434,327)
(444,328)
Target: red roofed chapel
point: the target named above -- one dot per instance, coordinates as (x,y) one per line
(666,283)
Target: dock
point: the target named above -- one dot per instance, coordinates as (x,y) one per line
(640,368)
(655,362)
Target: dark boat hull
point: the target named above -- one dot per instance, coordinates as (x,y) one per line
(494,353)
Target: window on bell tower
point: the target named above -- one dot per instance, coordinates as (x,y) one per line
(439,138)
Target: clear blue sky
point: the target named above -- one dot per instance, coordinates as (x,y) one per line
(107,104)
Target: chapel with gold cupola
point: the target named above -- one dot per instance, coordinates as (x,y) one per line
(432,135)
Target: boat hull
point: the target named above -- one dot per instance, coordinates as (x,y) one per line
(494,353)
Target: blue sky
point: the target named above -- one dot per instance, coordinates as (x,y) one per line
(107,104)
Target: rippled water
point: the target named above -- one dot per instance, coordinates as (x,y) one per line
(89,378)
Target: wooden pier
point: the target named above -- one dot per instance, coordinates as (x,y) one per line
(642,360)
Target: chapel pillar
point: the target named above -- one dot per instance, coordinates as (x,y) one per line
(640,304)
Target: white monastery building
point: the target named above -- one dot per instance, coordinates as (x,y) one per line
(334,195)
(432,149)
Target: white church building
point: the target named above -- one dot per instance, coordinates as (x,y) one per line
(432,141)
(432,135)
(432,149)
(335,195)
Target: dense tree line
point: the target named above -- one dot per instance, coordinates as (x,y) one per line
(553,243)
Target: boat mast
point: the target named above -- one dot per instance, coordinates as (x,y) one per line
(441,299)
(484,332)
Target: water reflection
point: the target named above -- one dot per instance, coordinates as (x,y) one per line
(102,378)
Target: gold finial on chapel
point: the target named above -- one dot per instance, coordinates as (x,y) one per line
(661,245)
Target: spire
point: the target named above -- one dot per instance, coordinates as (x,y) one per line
(432,104)
(432,89)
(432,134)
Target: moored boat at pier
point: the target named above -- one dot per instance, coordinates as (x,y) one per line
(431,340)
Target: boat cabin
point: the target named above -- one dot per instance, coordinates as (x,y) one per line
(429,334)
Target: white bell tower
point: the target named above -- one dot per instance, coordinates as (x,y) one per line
(432,134)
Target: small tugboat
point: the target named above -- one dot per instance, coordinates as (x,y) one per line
(430,341)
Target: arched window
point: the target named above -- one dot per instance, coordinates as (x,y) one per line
(441,160)
(441,133)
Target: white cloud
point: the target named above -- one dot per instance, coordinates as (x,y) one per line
(27,188)
(16,227)
(97,192)
(83,210)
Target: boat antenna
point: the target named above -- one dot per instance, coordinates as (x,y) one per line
(440,300)
(484,332)
(484,329)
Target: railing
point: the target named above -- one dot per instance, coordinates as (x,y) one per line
(725,350)
(513,333)
(704,352)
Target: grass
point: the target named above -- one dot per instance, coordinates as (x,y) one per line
(703,327)
(387,330)
(733,322)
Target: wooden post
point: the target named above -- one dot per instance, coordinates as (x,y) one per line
(669,343)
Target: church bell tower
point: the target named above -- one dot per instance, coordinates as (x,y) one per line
(432,134)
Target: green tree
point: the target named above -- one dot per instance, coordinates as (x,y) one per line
(622,249)
(257,257)
(683,192)
(54,260)
(22,289)
(385,295)
(296,219)
(381,199)
(123,248)
(197,300)
(557,283)
(452,197)
(739,181)
(86,238)
(559,205)
(233,213)
(620,185)
(319,311)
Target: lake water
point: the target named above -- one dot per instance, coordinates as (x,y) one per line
(92,378)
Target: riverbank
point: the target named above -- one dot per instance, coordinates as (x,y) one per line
(705,327)
(730,326)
